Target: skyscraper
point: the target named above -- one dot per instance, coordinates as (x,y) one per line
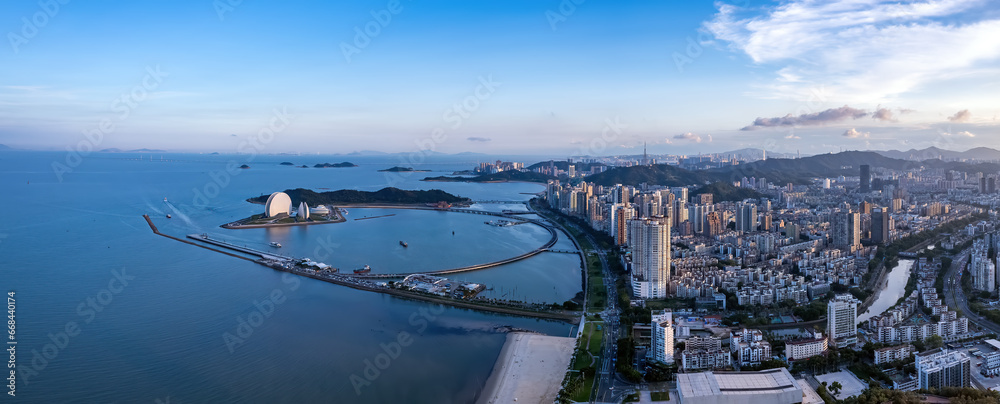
(841,320)
(649,240)
(746,217)
(847,230)
(866,178)
(881,233)
(662,346)
(713,224)
(620,215)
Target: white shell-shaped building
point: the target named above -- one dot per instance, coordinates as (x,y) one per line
(277,203)
(303,211)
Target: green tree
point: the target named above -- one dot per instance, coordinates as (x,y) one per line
(934,341)
(835,388)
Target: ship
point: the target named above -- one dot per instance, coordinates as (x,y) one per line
(403,243)
(275,244)
(168,216)
(364,270)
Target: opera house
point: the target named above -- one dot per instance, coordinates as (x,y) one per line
(279,203)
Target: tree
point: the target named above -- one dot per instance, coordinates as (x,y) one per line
(835,388)
(934,341)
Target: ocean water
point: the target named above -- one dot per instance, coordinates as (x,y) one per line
(109,312)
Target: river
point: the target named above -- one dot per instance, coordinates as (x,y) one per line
(890,294)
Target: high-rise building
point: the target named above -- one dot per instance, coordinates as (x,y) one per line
(649,240)
(696,214)
(705,199)
(713,224)
(940,367)
(866,178)
(662,346)
(847,230)
(841,320)
(746,217)
(881,232)
(620,215)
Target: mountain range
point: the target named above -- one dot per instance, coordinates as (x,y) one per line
(979,153)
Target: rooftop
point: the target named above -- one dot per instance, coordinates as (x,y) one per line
(716,383)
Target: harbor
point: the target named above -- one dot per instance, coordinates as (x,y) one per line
(320,271)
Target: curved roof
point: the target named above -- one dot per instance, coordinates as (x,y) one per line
(303,211)
(278,202)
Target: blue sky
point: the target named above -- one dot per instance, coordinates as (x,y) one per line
(685,77)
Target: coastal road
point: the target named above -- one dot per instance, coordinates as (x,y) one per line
(955,297)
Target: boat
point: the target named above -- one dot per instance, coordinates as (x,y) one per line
(164,199)
(403,243)
(168,216)
(364,270)
(275,244)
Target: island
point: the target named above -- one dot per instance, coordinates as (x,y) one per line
(388,195)
(244,166)
(285,163)
(335,165)
(503,176)
(398,169)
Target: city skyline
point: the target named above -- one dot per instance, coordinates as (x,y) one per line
(577,79)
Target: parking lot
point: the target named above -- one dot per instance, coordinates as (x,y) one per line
(993,382)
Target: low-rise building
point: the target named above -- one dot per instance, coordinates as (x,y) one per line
(893,353)
(801,349)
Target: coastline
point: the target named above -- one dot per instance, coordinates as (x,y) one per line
(530,368)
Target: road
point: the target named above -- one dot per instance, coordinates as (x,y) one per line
(955,297)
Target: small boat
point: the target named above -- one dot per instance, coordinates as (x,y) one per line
(364,270)
(168,216)
(403,243)
(275,244)
(164,199)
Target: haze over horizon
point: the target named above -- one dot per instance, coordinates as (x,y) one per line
(684,78)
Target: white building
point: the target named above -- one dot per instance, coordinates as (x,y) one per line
(940,367)
(750,347)
(893,353)
(276,204)
(772,386)
(649,240)
(801,349)
(662,347)
(841,320)
(303,212)
(991,364)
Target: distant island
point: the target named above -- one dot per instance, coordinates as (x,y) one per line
(398,169)
(335,165)
(285,163)
(503,176)
(353,197)
(244,166)
(117,150)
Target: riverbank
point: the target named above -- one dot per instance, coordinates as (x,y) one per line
(529,369)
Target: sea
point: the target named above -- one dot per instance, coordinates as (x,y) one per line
(106,311)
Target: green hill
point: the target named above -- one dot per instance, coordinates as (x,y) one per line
(503,176)
(659,174)
(350,196)
(723,191)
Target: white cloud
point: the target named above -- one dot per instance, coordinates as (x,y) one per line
(862,50)
(693,137)
(963,133)
(792,136)
(854,133)
(961,116)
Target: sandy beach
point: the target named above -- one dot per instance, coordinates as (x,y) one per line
(530,369)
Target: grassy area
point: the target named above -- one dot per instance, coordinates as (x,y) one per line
(632,398)
(660,395)
(583,393)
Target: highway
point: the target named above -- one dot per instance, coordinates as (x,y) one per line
(955,297)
